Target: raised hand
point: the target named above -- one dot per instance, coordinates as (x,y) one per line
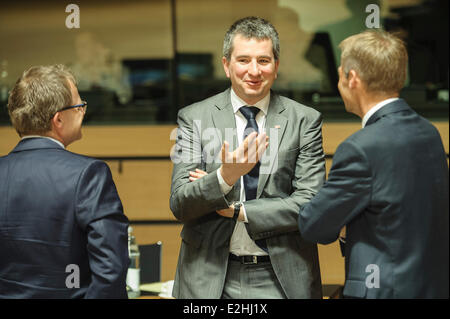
(241,161)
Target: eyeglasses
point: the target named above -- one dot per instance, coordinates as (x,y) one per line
(83,105)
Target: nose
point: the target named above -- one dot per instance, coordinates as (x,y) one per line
(253,69)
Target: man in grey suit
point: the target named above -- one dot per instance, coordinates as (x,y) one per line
(388,183)
(240,208)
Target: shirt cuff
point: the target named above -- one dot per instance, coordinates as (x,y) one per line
(223,185)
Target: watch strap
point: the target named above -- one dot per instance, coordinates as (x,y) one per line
(237,209)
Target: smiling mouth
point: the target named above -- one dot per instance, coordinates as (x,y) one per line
(253,83)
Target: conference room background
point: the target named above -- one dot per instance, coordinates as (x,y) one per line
(138,62)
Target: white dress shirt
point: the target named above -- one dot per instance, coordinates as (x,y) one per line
(376,108)
(40,136)
(241,244)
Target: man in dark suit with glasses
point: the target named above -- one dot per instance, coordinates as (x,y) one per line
(63,233)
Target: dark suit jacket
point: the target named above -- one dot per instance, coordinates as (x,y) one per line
(389,185)
(284,184)
(58,209)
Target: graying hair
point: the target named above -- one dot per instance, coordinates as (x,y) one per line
(251,28)
(37,95)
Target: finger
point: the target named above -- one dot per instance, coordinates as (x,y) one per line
(260,140)
(262,149)
(197,175)
(254,147)
(224,151)
(261,137)
(250,139)
(250,148)
(239,155)
(199,171)
(264,143)
(192,174)
(251,154)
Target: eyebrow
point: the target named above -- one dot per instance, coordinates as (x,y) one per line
(258,57)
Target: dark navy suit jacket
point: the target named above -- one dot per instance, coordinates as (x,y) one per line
(58,209)
(389,185)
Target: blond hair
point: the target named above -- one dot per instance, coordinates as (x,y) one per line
(36,97)
(378,57)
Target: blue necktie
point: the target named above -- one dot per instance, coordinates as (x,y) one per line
(251,178)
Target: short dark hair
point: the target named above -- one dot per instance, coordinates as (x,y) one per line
(251,28)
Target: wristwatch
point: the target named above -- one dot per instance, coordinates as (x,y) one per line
(237,209)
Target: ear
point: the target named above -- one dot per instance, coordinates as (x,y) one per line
(57,122)
(354,80)
(226,65)
(277,63)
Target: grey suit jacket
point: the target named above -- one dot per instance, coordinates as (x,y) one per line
(389,185)
(286,182)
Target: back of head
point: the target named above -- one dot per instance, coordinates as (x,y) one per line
(251,28)
(37,95)
(379,58)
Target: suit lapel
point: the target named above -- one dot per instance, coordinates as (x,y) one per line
(223,119)
(275,128)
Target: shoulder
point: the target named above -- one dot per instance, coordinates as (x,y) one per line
(82,163)
(295,108)
(361,139)
(375,139)
(78,158)
(297,115)
(67,165)
(201,106)
(87,170)
(351,151)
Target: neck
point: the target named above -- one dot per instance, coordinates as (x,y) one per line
(248,101)
(56,137)
(368,101)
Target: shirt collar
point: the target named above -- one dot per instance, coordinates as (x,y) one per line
(376,108)
(40,136)
(237,102)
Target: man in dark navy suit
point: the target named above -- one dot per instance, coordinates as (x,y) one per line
(63,233)
(388,183)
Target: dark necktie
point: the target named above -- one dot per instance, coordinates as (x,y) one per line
(251,178)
